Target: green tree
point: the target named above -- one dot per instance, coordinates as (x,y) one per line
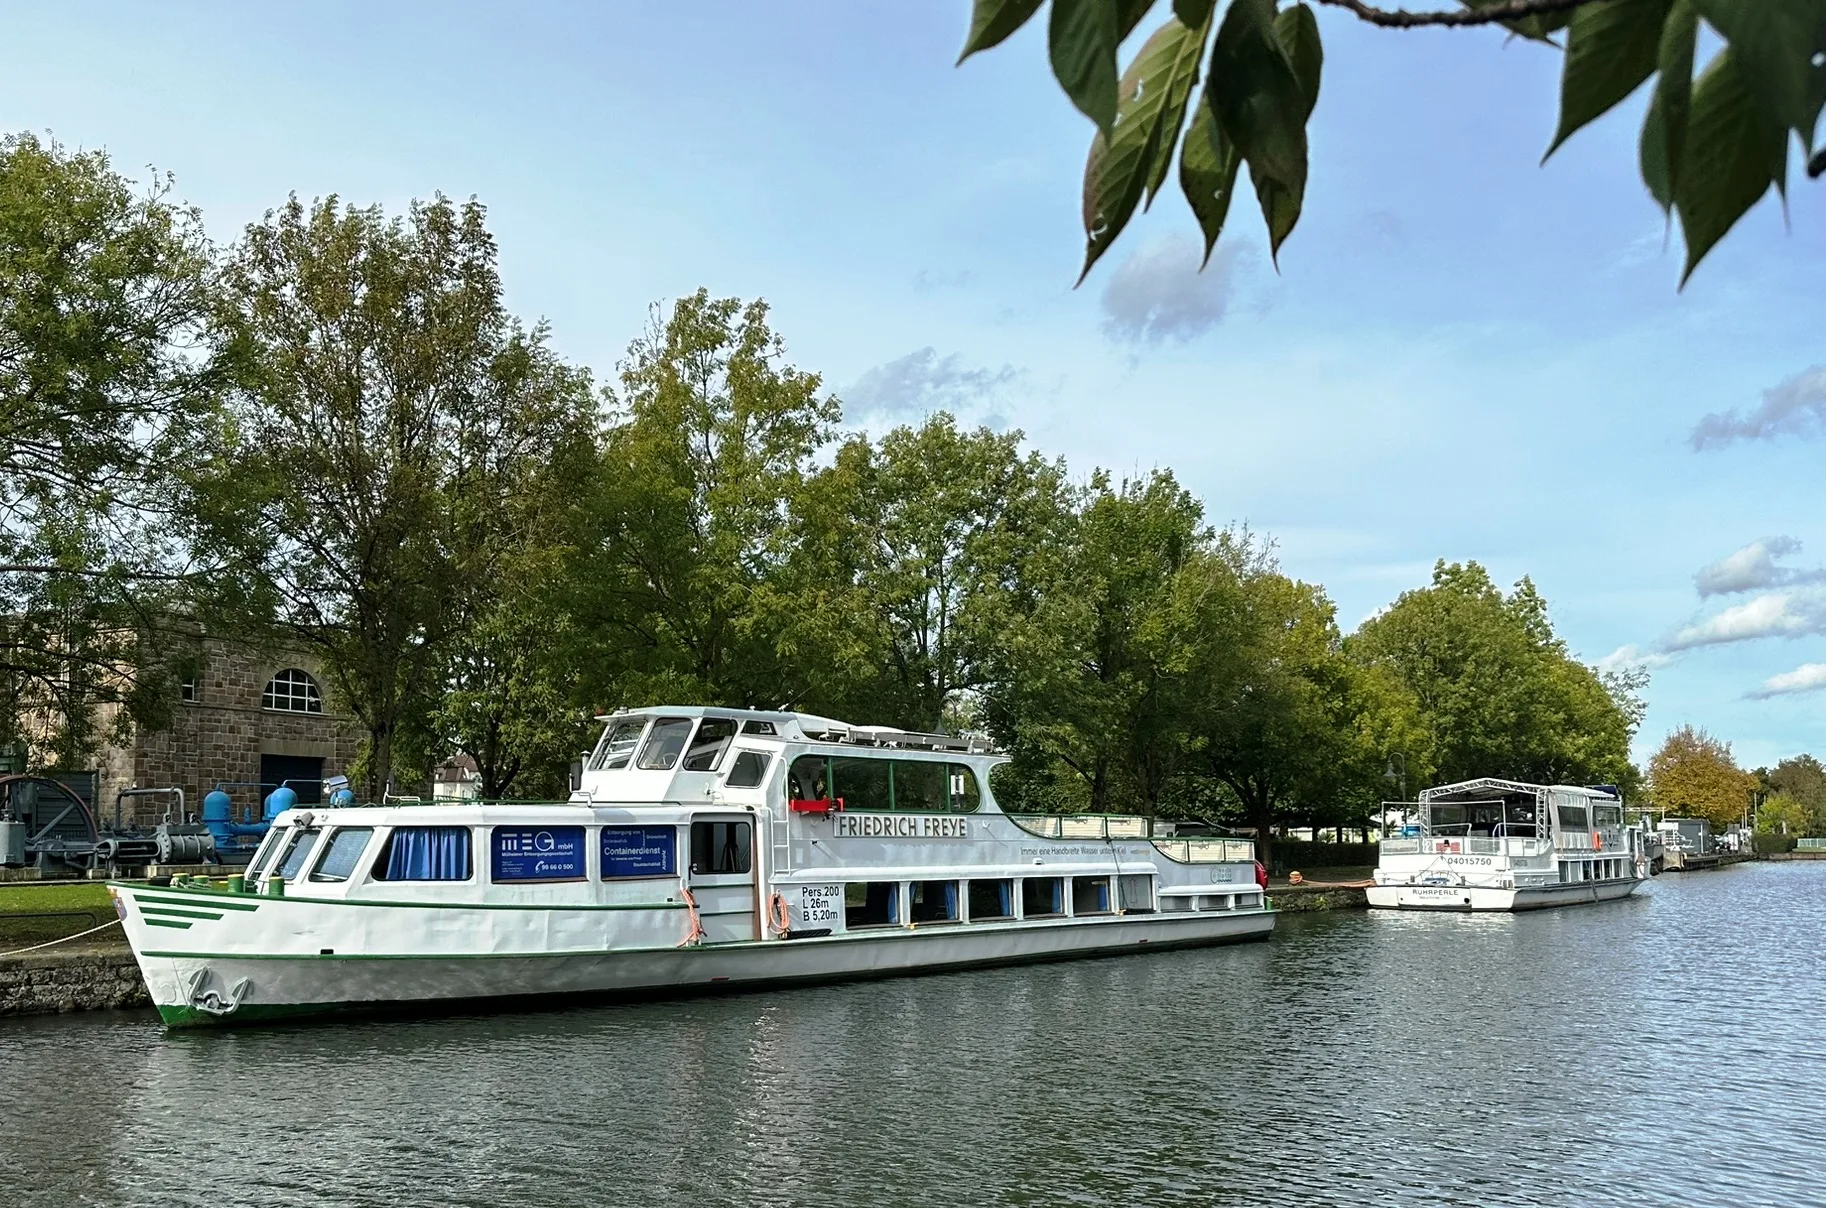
(689,586)
(1801,779)
(385,397)
(106,374)
(1498,694)
(1781,814)
(1710,147)
(1694,775)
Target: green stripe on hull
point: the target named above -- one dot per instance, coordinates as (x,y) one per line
(174,913)
(167,923)
(212,901)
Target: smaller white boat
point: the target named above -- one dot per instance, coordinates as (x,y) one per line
(1504,845)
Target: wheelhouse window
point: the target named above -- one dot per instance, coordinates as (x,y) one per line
(932,902)
(292,691)
(871,904)
(1042,897)
(991,900)
(708,744)
(864,782)
(720,847)
(265,853)
(297,852)
(1090,895)
(748,770)
(665,743)
(426,853)
(618,743)
(342,853)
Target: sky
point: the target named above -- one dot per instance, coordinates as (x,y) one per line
(1463,353)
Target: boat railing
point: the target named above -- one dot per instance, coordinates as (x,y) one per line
(1810,845)
(1085,826)
(1436,843)
(1206,850)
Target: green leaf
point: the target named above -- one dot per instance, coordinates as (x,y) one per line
(1734,152)
(1298,31)
(1772,41)
(1193,13)
(1538,28)
(1152,103)
(1207,173)
(992,21)
(1082,38)
(1259,101)
(1664,129)
(1128,15)
(1610,49)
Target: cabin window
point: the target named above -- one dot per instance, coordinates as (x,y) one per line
(536,853)
(665,743)
(1607,815)
(748,770)
(1573,817)
(707,747)
(292,862)
(871,904)
(426,853)
(618,743)
(1090,895)
(1137,893)
(269,847)
(720,847)
(1442,814)
(991,900)
(639,851)
(932,902)
(342,852)
(1042,896)
(861,782)
(758,727)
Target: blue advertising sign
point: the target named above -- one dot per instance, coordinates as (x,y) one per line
(639,851)
(538,853)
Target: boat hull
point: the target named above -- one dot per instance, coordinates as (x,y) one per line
(257,987)
(1480,897)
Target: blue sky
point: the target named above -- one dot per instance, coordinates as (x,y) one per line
(1464,354)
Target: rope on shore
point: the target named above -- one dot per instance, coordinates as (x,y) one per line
(66,939)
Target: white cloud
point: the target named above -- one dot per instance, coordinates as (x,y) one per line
(1787,614)
(1797,407)
(1159,293)
(1629,656)
(1753,567)
(1808,677)
(923,382)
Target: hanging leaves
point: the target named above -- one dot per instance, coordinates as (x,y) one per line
(1610,49)
(993,21)
(1733,153)
(1664,129)
(1133,157)
(1207,174)
(1082,38)
(1261,105)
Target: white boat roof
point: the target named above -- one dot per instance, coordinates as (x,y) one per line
(810,727)
(1494,784)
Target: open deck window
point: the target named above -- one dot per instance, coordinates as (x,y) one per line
(426,853)
(932,902)
(871,904)
(618,743)
(708,744)
(991,900)
(1090,895)
(342,853)
(1137,893)
(1042,897)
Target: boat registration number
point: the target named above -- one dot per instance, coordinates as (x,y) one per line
(819,905)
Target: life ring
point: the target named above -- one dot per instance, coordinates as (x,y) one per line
(778,917)
(1294,878)
(1597,841)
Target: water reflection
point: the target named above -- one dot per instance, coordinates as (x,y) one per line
(1664,1049)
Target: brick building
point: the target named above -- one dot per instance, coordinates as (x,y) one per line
(247,715)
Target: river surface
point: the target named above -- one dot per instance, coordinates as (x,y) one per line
(1668,1049)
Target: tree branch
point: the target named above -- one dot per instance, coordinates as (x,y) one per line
(1489,14)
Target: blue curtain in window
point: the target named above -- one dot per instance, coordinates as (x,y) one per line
(429,853)
(950,899)
(1103,895)
(893,903)
(1005,891)
(1058,896)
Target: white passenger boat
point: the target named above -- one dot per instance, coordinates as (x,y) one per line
(1504,845)
(706,849)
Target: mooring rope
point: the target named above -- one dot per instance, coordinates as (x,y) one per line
(64,940)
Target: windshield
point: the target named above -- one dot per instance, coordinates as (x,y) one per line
(618,743)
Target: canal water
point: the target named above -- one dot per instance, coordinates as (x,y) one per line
(1669,1049)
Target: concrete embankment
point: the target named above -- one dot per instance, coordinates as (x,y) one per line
(1318,896)
(93,979)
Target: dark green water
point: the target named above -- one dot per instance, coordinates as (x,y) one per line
(1670,1049)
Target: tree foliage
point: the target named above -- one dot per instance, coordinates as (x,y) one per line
(105,377)
(1710,147)
(1694,775)
(1802,780)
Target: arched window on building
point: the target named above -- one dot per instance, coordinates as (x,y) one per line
(292,691)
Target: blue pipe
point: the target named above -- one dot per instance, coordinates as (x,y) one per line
(218,817)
